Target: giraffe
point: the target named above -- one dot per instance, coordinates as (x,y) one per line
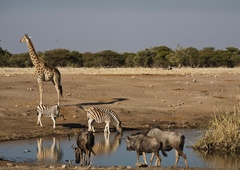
(43,70)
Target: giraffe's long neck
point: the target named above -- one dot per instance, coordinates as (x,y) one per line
(32,53)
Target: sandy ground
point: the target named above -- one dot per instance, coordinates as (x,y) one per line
(178,98)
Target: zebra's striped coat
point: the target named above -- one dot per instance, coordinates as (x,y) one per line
(99,115)
(52,112)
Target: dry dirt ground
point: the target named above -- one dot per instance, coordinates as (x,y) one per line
(141,97)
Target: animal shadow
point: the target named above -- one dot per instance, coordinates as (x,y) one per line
(73,125)
(114,100)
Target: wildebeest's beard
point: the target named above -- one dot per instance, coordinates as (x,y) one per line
(130,143)
(130,148)
(77,156)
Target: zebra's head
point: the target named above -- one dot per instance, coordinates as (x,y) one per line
(118,127)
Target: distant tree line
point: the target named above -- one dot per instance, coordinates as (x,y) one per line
(160,56)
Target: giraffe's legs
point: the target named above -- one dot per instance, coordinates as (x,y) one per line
(40,85)
(57,83)
(58,93)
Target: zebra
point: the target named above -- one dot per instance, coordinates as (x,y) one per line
(52,111)
(99,115)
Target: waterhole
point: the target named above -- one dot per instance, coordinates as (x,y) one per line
(110,150)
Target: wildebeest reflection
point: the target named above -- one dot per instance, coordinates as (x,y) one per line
(51,153)
(106,147)
(85,142)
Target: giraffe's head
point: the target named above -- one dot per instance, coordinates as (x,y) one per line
(25,38)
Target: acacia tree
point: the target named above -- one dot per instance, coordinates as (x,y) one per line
(20,60)
(205,56)
(63,58)
(233,55)
(128,59)
(144,58)
(4,57)
(160,57)
(107,58)
(192,56)
(87,59)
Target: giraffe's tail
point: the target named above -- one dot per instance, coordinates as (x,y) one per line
(59,83)
(61,90)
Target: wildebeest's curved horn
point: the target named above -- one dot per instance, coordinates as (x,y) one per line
(74,148)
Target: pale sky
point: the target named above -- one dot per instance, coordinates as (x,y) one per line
(119,25)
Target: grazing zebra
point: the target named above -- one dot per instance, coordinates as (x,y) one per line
(52,111)
(102,115)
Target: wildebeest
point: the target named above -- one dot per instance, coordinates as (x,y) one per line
(170,140)
(143,144)
(85,142)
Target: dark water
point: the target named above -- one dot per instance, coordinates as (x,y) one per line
(110,151)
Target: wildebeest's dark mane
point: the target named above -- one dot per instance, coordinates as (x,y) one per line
(155,126)
(145,132)
(138,133)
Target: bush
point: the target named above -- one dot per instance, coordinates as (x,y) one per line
(63,58)
(20,60)
(223,134)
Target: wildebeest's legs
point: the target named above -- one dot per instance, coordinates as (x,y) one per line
(87,157)
(177,158)
(185,160)
(178,154)
(82,158)
(138,155)
(158,159)
(144,157)
(151,159)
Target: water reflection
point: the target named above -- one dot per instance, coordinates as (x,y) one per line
(49,154)
(107,146)
(219,161)
(110,151)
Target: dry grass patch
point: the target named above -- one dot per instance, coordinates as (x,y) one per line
(223,134)
(127,71)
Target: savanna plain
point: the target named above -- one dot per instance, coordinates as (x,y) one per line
(142,98)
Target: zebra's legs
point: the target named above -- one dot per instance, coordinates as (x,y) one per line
(106,130)
(90,125)
(39,120)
